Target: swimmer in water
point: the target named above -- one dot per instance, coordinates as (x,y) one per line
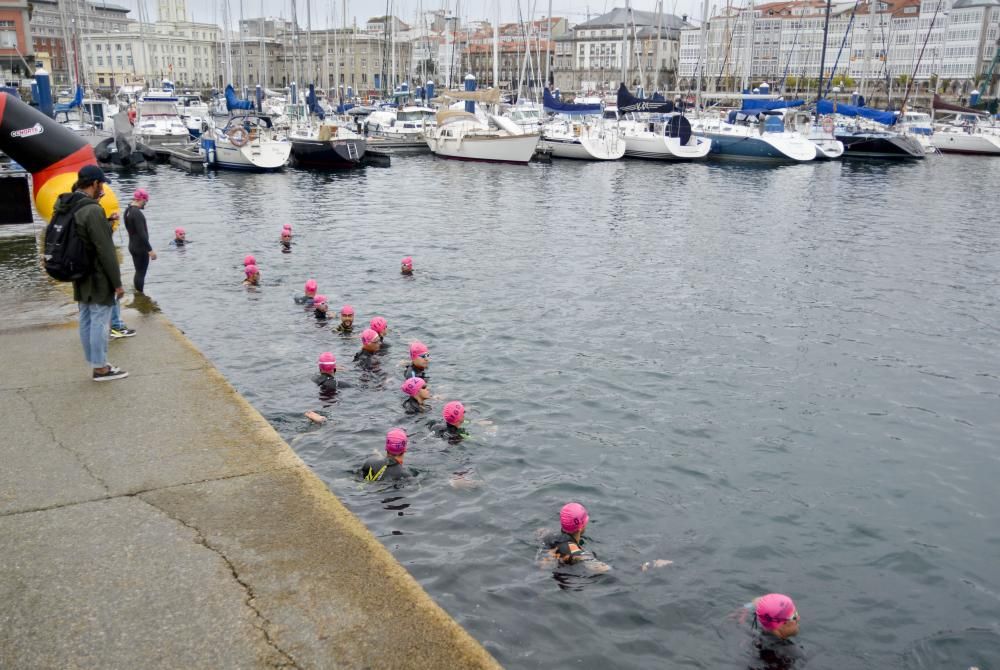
(326,378)
(454,416)
(420,358)
(249,260)
(417,393)
(180,237)
(406,266)
(320,307)
(369,345)
(389,467)
(775,614)
(309,293)
(252,276)
(286,241)
(287,228)
(346,325)
(567,547)
(380,326)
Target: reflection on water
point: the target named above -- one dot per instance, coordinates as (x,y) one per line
(782,379)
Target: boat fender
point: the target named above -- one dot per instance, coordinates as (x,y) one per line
(828,124)
(238,136)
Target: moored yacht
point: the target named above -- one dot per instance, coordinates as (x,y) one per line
(462,136)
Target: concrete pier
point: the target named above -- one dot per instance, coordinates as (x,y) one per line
(160,522)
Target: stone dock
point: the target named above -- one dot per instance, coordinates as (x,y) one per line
(160,522)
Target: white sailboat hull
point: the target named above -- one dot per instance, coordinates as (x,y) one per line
(488,148)
(962,142)
(605,146)
(663,148)
(262,156)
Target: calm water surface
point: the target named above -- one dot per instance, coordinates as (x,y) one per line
(781,379)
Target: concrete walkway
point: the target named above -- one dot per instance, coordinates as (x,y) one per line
(160,522)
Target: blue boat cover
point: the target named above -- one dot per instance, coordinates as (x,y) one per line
(769,105)
(343,108)
(232,102)
(554,106)
(629,103)
(76,102)
(313,103)
(877,115)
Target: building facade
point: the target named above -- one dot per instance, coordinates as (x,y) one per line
(870,46)
(593,56)
(515,68)
(16,47)
(58,27)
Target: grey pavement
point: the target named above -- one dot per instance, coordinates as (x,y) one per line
(160,522)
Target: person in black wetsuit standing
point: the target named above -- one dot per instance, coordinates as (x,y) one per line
(389,467)
(138,237)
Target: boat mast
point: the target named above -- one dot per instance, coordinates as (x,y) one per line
(243,55)
(262,70)
(548,47)
(748,33)
(227,21)
(704,54)
(868,48)
(656,53)
(309,74)
(496,49)
(822,59)
(625,53)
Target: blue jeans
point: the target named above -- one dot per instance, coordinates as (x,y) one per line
(94,322)
(116,316)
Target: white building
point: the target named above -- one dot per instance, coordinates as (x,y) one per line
(177,49)
(782,42)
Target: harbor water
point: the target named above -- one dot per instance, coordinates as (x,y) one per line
(779,378)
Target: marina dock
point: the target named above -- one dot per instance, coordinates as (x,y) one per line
(160,522)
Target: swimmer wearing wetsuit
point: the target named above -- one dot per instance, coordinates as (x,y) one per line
(326,378)
(180,238)
(310,293)
(420,358)
(417,392)
(380,326)
(454,416)
(320,307)
(252,276)
(567,546)
(346,325)
(406,266)
(389,467)
(365,359)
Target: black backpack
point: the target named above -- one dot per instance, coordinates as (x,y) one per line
(66,257)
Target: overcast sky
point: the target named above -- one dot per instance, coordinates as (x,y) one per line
(574,10)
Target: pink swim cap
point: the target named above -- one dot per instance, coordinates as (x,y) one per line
(379,325)
(249,260)
(395,441)
(140,194)
(178,231)
(774,610)
(573,517)
(327,362)
(319,300)
(368,336)
(408,261)
(453,412)
(412,386)
(311,286)
(287,227)
(417,348)
(347,310)
(251,270)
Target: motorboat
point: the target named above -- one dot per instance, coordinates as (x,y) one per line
(247,142)
(326,147)
(461,135)
(750,138)
(194,112)
(158,123)
(582,139)
(408,123)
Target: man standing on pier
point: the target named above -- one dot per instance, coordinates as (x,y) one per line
(95,293)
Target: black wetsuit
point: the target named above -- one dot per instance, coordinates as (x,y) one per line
(365,360)
(306,300)
(286,247)
(328,382)
(413,371)
(344,329)
(567,549)
(385,345)
(412,406)
(378,468)
(322,316)
(138,244)
(446,431)
(178,243)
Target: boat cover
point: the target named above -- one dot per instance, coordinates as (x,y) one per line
(554,106)
(678,126)
(938,104)
(877,115)
(629,103)
(76,102)
(769,105)
(313,103)
(232,102)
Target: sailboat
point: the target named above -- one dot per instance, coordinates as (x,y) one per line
(578,131)
(756,132)
(653,129)
(248,141)
(866,142)
(326,146)
(967,134)
(463,135)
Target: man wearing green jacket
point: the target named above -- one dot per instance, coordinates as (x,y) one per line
(95,294)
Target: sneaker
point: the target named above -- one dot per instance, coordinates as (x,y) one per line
(112,373)
(118,333)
